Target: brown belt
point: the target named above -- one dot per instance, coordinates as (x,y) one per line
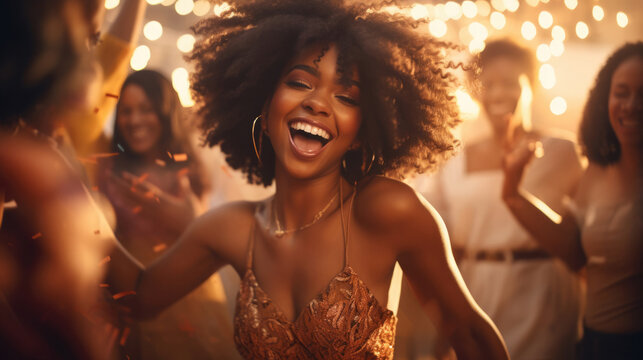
(501,255)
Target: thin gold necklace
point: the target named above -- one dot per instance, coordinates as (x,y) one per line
(279,232)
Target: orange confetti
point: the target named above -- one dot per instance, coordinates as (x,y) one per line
(103,155)
(170,155)
(88,160)
(160,247)
(137,209)
(141,178)
(180,157)
(159,162)
(124,336)
(103,285)
(182,172)
(123,294)
(105,260)
(111,95)
(36,236)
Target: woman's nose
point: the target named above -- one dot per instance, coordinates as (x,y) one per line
(317,103)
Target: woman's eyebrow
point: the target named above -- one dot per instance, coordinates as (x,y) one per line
(309,69)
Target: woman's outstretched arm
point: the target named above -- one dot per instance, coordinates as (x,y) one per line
(420,239)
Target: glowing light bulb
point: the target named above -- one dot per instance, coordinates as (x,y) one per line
(621,19)
(140,57)
(528,30)
(469,9)
(153,30)
(558,105)
(438,28)
(545,19)
(543,53)
(547,76)
(497,20)
(582,30)
(558,33)
(598,13)
(110,4)
(484,9)
(185,43)
(571,4)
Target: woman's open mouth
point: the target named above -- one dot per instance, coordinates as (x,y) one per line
(308,139)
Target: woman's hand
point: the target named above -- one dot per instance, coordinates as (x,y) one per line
(173,211)
(517,155)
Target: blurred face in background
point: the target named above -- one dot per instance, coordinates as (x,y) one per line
(500,93)
(138,122)
(625,104)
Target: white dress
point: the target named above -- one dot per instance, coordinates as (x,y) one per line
(535,303)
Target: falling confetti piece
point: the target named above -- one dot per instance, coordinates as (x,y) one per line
(170,155)
(159,162)
(182,172)
(124,336)
(160,247)
(120,147)
(180,157)
(103,285)
(111,95)
(103,155)
(36,236)
(105,260)
(123,294)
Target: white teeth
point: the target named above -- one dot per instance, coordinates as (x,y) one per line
(311,129)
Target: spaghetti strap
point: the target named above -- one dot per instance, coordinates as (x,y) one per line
(346,227)
(251,243)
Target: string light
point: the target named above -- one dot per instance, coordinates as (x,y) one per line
(582,30)
(201,7)
(598,13)
(558,105)
(469,9)
(497,20)
(543,53)
(498,5)
(571,4)
(419,11)
(621,19)
(512,5)
(140,57)
(528,30)
(547,76)
(438,28)
(484,9)
(153,30)
(181,83)
(557,47)
(185,43)
(453,10)
(111,4)
(545,19)
(478,31)
(558,33)
(184,7)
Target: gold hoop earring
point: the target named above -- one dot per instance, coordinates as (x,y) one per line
(254,142)
(365,169)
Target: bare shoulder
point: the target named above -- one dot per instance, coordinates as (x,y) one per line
(225,230)
(387,206)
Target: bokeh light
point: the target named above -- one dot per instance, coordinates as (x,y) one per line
(582,30)
(140,57)
(498,5)
(153,30)
(528,30)
(621,19)
(185,43)
(533,3)
(184,7)
(557,47)
(469,9)
(478,31)
(168,2)
(558,33)
(438,28)
(201,7)
(181,83)
(453,10)
(484,9)
(558,105)
(512,5)
(476,46)
(545,19)
(497,20)
(571,4)
(419,11)
(547,76)
(154,2)
(219,9)
(598,13)
(469,109)
(543,53)
(111,4)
